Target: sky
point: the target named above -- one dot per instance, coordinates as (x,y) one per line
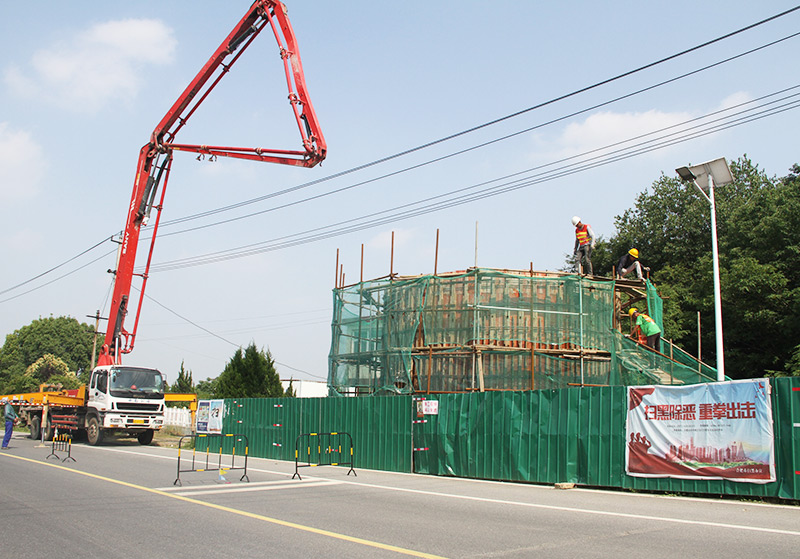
(82,86)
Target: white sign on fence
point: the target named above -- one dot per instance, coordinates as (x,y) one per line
(428,407)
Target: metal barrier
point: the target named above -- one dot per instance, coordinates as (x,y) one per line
(62,443)
(325,453)
(208,467)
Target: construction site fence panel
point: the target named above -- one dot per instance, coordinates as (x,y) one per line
(574,435)
(380,426)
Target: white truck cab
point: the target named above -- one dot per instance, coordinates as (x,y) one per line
(123,398)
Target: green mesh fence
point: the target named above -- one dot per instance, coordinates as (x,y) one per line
(655,305)
(484,330)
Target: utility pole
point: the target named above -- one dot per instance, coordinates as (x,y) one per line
(96,317)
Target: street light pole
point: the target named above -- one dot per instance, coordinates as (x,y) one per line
(717,290)
(706,172)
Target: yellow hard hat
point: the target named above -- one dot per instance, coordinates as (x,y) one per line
(634,252)
(631,311)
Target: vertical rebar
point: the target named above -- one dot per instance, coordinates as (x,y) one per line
(336,271)
(436,254)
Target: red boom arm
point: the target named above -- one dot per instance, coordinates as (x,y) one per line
(155,158)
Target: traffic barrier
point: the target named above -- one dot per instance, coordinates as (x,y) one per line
(207,466)
(62,443)
(328,451)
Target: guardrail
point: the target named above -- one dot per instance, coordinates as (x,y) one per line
(207,466)
(62,443)
(328,451)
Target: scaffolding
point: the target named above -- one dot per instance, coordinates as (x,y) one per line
(486,329)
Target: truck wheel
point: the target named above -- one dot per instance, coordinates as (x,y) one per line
(48,430)
(145,437)
(94,434)
(36,427)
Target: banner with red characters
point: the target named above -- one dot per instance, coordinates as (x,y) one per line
(718,430)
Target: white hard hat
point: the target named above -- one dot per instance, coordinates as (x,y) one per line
(575,220)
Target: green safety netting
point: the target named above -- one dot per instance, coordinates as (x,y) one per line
(479,330)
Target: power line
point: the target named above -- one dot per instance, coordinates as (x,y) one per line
(56,267)
(440,140)
(481,126)
(462,195)
(58,278)
(206,330)
(452,154)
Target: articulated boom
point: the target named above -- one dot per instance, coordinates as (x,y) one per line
(155,158)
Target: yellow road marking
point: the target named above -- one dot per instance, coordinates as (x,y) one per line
(279,522)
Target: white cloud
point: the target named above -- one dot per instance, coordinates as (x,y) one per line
(102,63)
(602,130)
(606,128)
(21,164)
(735,99)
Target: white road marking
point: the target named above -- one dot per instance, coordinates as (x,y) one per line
(550,507)
(251,487)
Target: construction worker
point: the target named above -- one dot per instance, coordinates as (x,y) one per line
(11,419)
(648,327)
(628,263)
(584,245)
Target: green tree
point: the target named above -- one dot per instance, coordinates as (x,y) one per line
(63,337)
(249,374)
(290,392)
(183,384)
(206,389)
(45,367)
(757,220)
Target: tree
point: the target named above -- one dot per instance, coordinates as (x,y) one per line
(206,389)
(184,384)
(45,367)
(249,374)
(757,221)
(290,392)
(63,337)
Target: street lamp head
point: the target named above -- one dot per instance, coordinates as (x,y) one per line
(685,174)
(717,169)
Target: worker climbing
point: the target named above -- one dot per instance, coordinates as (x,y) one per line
(647,327)
(584,245)
(628,263)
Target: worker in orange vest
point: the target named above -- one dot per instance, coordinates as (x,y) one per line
(584,245)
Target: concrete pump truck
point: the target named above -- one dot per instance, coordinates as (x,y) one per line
(131,399)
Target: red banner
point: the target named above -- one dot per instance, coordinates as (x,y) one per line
(706,431)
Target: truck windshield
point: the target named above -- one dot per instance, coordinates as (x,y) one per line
(137,383)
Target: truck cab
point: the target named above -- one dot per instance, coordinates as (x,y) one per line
(122,398)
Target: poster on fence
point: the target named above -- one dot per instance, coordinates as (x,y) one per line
(719,430)
(209,416)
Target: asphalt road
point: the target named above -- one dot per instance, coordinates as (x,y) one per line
(119,501)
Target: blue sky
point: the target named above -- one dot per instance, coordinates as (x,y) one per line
(83,85)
